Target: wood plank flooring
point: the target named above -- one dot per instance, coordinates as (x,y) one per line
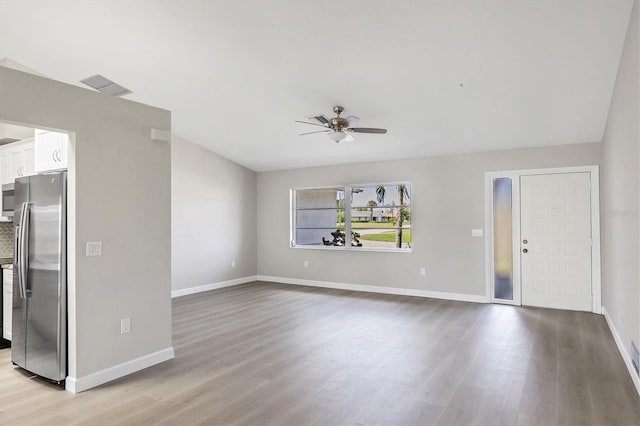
(272,354)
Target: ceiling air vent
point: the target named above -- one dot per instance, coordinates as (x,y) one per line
(106,86)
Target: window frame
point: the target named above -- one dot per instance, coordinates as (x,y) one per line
(347,218)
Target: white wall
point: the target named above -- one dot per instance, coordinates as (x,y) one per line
(213,217)
(447,202)
(620,201)
(119,193)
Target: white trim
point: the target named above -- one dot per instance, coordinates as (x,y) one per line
(212,286)
(488,236)
(371,249)
(596,279)
(517,237)
(547,171)
(81,384)
(378,289)
(596,273)
(622,349)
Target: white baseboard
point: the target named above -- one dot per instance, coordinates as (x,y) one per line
(378,289)
(213,286)
(623,349)
(80,384)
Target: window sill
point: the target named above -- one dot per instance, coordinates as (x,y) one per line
(367,249)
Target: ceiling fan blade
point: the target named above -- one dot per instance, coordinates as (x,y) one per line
(313,124)
(320,118)
(366,130)
(352,119)
(317,131)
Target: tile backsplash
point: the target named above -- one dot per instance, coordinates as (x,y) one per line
(6,239)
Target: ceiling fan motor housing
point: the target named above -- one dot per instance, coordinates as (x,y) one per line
(338,123)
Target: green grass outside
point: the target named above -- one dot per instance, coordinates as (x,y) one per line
(356,225)
(388,237)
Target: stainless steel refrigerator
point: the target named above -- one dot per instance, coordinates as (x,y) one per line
(39,343)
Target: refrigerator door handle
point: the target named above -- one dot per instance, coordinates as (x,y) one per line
(18,263)
(23,265)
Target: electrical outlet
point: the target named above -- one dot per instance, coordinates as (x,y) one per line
(306,263)
(423,272)
(94,248)
(125,325)
(233,263)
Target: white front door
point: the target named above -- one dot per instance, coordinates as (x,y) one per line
(555,246)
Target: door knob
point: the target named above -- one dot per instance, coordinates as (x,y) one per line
(525,250)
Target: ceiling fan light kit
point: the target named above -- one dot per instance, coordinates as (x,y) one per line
(338,128)
(338,137)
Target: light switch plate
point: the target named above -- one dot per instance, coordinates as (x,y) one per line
(477,232)
(94,248)
(125,325)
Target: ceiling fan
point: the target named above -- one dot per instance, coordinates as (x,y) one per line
(338,128)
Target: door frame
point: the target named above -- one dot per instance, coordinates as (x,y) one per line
(514,175)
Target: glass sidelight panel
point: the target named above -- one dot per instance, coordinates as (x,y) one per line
(502,239)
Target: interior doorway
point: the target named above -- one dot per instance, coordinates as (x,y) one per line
(543,245)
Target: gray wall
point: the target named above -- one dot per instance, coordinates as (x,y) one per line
(619,187)
(447,202)
(119,193)
(213,217)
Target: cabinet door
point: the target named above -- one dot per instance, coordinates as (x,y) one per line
(28,166)
(6,312)
(7,302)
(15,164)
(50,151)
(64,153)
(5,174)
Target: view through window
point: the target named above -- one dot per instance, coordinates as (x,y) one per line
(372,216)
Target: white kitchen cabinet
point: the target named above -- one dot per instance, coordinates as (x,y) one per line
(17,160)
(28,161)
(4,167)
(16,164)
(51,151)
(7,302)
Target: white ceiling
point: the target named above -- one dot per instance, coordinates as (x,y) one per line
(235,74)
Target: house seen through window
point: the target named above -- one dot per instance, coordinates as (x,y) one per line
(372,216)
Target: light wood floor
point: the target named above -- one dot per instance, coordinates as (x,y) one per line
(284,355)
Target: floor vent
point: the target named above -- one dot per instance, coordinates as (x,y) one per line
(635,357)
(104,85)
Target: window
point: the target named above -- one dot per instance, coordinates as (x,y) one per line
(318,214)
(372,216)
(502,239)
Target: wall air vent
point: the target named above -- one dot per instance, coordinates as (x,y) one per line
(635,356)
(106,86)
